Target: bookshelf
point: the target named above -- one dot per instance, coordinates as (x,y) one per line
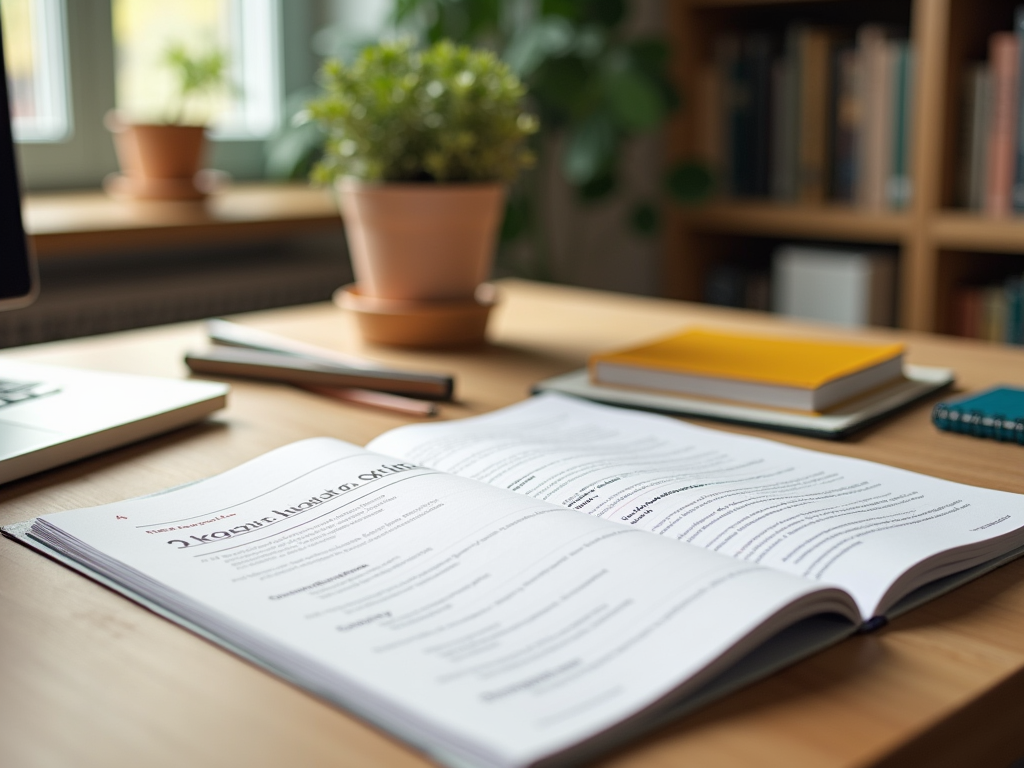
(939,245)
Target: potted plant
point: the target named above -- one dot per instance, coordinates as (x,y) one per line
(161,160)
(421,145)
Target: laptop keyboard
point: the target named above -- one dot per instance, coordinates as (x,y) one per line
(12,392)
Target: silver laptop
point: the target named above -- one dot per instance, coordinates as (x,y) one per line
(48,415)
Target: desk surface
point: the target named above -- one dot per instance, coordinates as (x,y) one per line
(90,679)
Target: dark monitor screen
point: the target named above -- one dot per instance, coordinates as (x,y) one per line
(17,273)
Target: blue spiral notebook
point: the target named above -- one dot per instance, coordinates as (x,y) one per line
(996,413)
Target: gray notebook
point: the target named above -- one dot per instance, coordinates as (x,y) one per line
(918,381)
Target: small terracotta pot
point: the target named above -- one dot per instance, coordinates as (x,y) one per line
(420,242)
(158,161)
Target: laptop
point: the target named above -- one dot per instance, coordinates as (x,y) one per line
(51,416)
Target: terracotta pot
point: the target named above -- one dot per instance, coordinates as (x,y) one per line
(421,242)
(158,161)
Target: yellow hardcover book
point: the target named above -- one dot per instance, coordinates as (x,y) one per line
(779,372)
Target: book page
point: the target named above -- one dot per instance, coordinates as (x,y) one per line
(832,519)
(467,619)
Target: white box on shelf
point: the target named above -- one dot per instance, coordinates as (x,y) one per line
(846,287)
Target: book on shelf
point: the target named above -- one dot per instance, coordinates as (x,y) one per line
(541,583)
(992,312)
(738,285)
(772,371)
(846,116)
(843,286)
(1002,142)
(814,50)
(745,66)
(820,113)
(991,154)
(898,185)
(977,121)
(1017,192)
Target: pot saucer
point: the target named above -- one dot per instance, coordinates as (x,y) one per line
(423,324)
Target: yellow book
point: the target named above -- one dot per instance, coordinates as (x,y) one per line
(775,371)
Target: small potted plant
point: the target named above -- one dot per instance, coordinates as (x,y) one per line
(421,145)
(161,160)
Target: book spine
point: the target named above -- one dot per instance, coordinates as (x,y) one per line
(727,51)
(784,119)
(709,138)
(898,186)
(1012,290)
(759,52)
(969,96)
(742,133)
(1018,175)
(978,424)
(814,100)
(997,313)
(874,88)
(1002,144)
(847,125)
(980,121)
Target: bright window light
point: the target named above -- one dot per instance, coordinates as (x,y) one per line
(248,107)
(35,54)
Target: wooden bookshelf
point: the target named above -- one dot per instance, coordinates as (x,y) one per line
(939,246)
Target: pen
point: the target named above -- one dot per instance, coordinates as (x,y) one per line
(274,366)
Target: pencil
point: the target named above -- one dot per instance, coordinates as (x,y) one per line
(382,400)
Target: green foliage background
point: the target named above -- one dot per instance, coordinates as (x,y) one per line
(588,79)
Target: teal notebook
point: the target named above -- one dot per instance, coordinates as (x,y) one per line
(996,413)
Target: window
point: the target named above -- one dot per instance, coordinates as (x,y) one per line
(245,30)
(71,62)
(35,53)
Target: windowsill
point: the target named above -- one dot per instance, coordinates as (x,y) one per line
(90,222)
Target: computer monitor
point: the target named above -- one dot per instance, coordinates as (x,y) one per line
(18,281)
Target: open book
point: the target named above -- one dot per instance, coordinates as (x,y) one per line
(533,585)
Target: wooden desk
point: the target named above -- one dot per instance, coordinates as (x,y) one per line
(90,679)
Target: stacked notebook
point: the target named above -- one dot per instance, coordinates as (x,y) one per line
(823,388)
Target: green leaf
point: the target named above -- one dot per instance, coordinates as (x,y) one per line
(562,86)
(650,56)
(598,188)
(606,12)
(292,154)
(644,219)
(569,9)
(636,103)
(590,150)
(689,182)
